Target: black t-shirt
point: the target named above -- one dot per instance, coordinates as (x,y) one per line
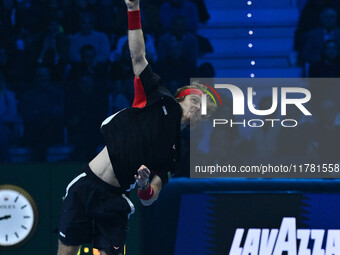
(148,133)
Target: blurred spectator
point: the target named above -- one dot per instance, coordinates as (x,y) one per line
(85,110)
(206,70)
(307,20)
(177,53)
(204,45)
(8,14)
(150,49)
(14,17)
(4,66)
(173,8)
(41,12)
(122,74)
(150,16)
(72,11)
(321,89)
(9,119)
(105,16)
(314,40)
(50,48)
(265,138)
(119,97)
(110,16)
(325,132)
(289,148)
(41,108)
(203,14)
(87,35)
(329,66)
(226,144)
(90,67)
(14,65)
(173,85)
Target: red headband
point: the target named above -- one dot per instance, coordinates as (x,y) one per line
(189,92)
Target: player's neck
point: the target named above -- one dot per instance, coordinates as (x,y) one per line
(184,123)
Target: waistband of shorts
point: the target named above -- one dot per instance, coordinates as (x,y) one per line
(104,185)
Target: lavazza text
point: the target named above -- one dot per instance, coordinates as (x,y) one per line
(285,241)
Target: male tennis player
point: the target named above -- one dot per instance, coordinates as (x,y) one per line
(142,147)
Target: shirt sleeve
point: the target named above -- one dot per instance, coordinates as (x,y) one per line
(145,85)
(169,169)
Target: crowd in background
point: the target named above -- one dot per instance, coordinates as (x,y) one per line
(317,37)
(65,66)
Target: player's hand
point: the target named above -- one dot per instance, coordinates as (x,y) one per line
(132,4)
(142,176)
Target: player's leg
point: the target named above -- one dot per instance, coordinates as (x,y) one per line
(111,225)
(75,225)
(108,253)
(110,210)
(66,249)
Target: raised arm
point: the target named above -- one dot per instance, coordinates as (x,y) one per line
(135,37)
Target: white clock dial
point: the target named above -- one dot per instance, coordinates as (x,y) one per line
(17,216)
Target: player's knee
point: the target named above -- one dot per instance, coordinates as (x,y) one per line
(64,249)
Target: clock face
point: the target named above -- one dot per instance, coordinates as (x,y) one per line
(17,215)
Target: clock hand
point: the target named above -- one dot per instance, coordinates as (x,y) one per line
(5,217)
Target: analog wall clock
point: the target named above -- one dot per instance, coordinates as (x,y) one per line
(18,216)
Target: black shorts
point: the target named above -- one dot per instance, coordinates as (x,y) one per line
(94,211)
